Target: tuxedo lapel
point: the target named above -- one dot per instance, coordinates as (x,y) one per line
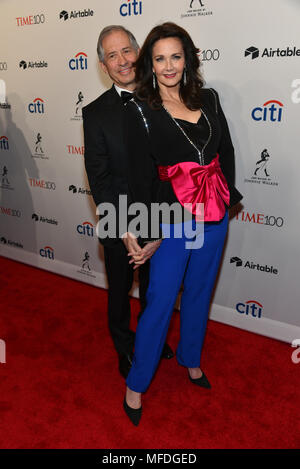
(115,113)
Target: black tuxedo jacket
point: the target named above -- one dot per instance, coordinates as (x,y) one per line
(105,153)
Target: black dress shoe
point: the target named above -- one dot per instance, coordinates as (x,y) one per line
(167,352)
(133,414)
(203,381)
(125,362)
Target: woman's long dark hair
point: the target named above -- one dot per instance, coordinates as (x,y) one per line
(190,93)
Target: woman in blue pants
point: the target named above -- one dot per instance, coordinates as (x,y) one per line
(179,152)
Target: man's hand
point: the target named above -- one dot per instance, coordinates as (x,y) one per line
(131,243)
(139,258)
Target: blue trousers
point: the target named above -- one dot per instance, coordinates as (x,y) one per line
(173,264)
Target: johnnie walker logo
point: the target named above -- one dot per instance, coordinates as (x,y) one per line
(5,183)
(197,8)
(262,173)
(38,147)
(78,103)
(85,266)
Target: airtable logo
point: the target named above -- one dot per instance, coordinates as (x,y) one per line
(80,190)
(254,265)
(9,242)
(270,52)
(75,14)
(253,51)
(33,64)
(270,111)
(37,106)
(132,7)
(42,219)
(79,62)
(4,143)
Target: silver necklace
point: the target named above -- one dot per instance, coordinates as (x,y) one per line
(200,154)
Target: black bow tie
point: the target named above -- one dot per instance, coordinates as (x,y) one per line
(126,96)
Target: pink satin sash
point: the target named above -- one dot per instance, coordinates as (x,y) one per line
(194,184)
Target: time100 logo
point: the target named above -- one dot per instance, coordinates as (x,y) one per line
(209,54)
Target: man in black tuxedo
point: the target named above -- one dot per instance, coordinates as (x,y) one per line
(105,163)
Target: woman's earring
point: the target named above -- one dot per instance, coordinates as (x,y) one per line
(154,81)
(184,77)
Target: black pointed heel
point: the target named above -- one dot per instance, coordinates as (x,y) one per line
(203,381)
(133,414)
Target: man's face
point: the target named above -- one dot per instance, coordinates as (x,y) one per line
(119,55)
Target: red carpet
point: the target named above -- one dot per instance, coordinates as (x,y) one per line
(60,386)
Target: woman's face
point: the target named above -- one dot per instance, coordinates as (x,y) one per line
(168,61)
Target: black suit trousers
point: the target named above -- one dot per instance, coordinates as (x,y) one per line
(120,278)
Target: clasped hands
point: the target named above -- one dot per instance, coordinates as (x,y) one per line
(139,255)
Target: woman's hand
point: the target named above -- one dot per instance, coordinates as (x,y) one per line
(145,254)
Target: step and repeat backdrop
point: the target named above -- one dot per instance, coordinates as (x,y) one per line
(250,53)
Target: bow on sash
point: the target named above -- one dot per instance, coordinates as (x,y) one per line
(194,184)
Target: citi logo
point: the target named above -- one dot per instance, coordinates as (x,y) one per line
(80,190)
(253,52)
(42,184)
(131,8)
(4,143)
(47,252)
(79,62)
(10,211)
(73,150)
(250,308)
(270,111)
(32,64)
(75,14)
(86,229)
(253,266)
(37,106)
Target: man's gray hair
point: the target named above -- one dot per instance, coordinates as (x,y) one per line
(109,29)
